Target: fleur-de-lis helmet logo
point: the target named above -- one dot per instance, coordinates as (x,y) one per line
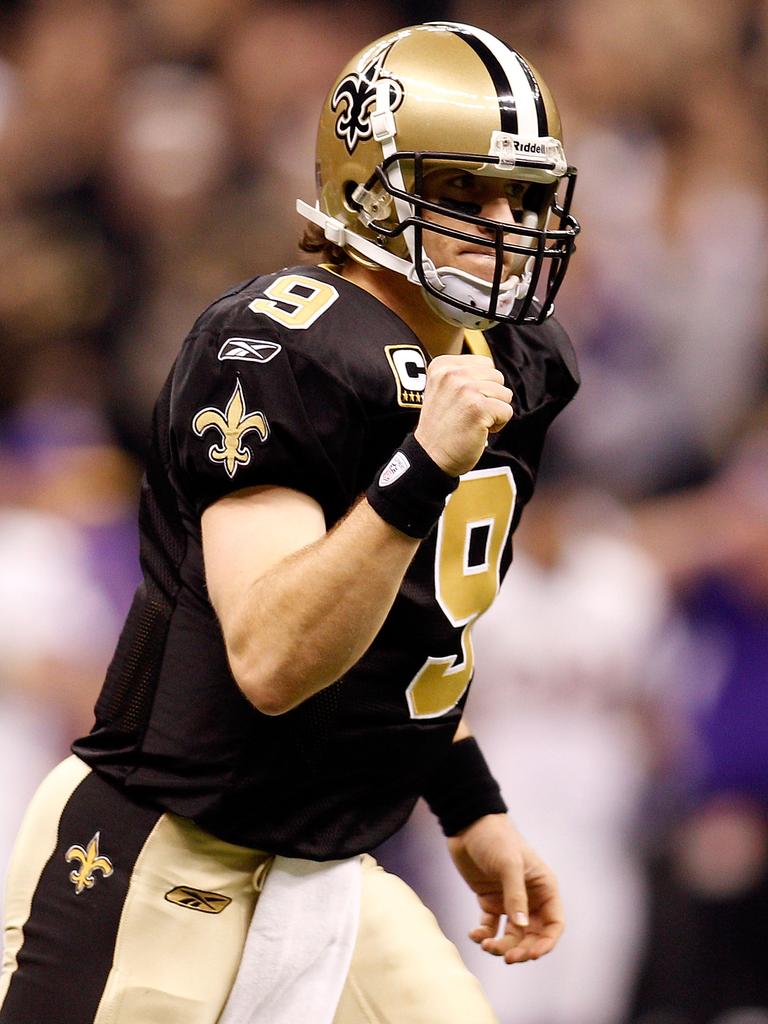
(357,93)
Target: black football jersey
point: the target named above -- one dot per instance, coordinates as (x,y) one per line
(303,380)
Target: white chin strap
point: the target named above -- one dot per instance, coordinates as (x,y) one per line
(472,291)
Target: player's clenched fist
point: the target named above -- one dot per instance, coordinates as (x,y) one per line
(465,400)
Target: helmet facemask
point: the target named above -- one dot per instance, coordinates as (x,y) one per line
(534,250)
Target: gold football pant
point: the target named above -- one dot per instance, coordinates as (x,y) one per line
(117,913)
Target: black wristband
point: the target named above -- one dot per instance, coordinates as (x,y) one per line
(462,789)
(409,492)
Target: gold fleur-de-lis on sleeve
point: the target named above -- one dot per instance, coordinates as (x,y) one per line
(233,425)
(90,860)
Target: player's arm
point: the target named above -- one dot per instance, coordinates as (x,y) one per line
(299,606)
(521,913)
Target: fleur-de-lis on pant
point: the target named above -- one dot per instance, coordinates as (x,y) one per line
(90,860)
(233,424)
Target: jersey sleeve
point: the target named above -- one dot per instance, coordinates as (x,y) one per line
(547,377)
(247,410)
(560,373)
(561,382)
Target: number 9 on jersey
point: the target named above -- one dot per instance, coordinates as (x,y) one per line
(471,537)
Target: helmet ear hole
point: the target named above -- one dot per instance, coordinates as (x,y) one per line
(349,201)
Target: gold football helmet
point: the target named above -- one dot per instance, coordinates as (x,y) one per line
(444,95)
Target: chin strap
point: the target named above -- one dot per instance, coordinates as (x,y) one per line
(341,235)
(384,131)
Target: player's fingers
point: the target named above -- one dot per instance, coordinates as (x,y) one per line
(481,366)
(478,368)
(492,389)
(515,896)
(547,915)
(466,365)
(514,947)
(488,927)
(516,904)
(516,910)
(542,946)
(538,941)
(530,947)
(519,953)
(513,938)
(499,414)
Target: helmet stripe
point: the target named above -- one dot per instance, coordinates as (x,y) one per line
(506,97)
(541,110)
(520,100)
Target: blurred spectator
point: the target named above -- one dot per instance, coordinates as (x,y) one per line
(171,161)
(56,291)
(668,310)
(709,864)
(67,57)
(187,31)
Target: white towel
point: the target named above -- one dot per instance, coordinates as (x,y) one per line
(299,945)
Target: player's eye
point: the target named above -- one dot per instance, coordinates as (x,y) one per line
(463,182)
(459,192)
(515,191)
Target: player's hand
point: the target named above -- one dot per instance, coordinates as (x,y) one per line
(514,888)
(465,400)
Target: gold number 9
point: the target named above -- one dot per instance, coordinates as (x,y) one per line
(305,298)
(467,576)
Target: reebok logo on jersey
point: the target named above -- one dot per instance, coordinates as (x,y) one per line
(251,350)
(394,469)
(409,366)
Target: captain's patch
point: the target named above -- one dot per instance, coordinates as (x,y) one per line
(409,366)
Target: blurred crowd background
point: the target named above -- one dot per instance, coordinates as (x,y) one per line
(150,155)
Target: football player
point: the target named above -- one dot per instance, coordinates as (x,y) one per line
(340,455)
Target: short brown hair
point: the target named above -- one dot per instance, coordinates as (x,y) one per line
(313,240)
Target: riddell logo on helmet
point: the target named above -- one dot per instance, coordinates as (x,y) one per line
(530,147)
